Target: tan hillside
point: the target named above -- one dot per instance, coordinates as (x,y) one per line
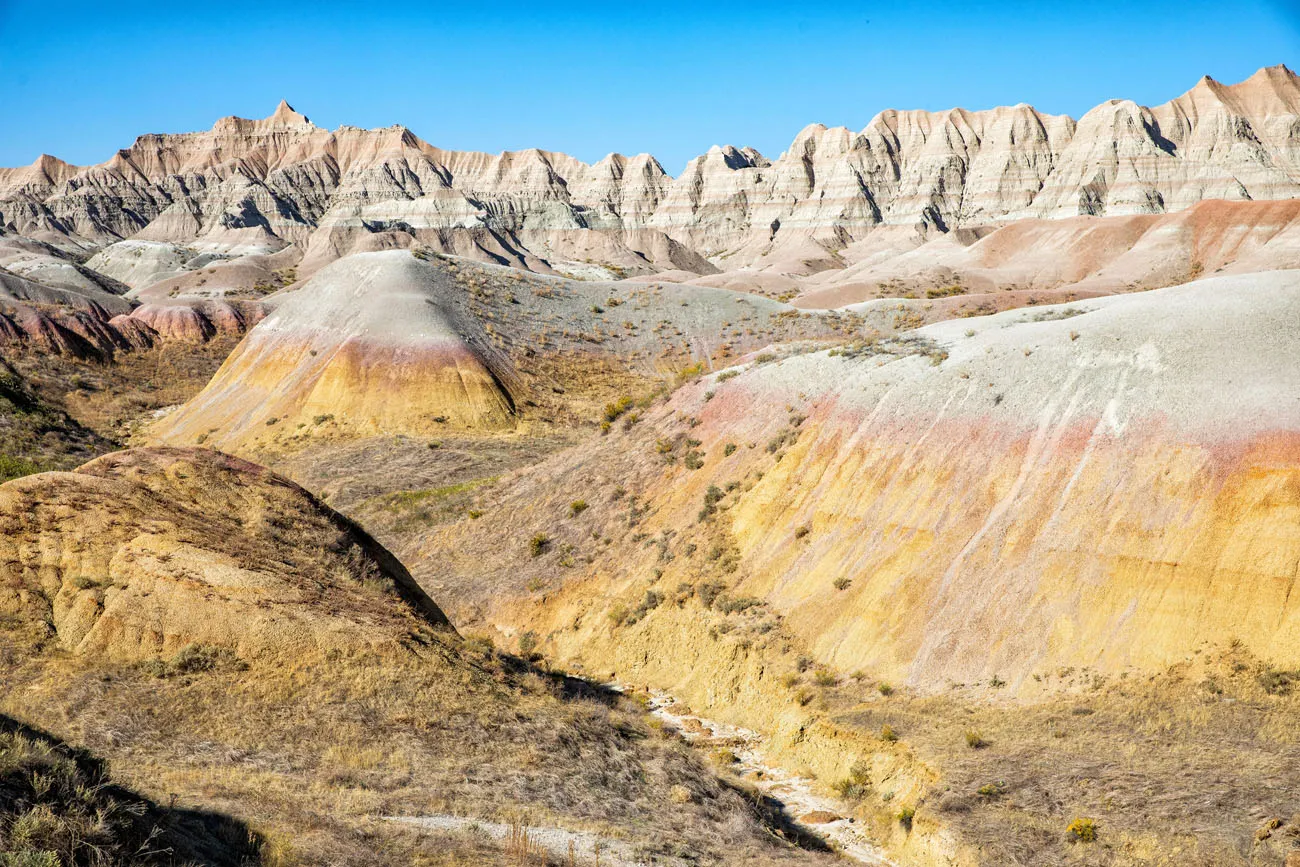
(229,642)
(128,556)
(937,484)
(1005,495)
(1029,510)
(421,345)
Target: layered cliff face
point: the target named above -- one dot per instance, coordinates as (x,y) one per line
(246,185)
(1108,485)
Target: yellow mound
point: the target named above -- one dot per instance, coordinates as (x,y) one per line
(149,551)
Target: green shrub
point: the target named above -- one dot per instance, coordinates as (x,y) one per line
(538,544)
(857,785)
(885,689)
(842,583)
(887,733)
(905,817)
(528,644)
(975,740)
(729,449)
(13,468)
(709,591)
(727,605)
(712,497)
(577,507)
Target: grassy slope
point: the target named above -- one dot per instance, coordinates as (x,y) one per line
(58,412)
(314,752)
(59,806)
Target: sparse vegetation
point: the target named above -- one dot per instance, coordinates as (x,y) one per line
(856,786)
(1082,830)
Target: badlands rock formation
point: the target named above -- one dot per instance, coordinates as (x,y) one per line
(251,188)
(50,302)
(1106,485)
(400,343)
(142,553)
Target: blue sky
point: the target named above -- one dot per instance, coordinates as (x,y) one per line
(81,80)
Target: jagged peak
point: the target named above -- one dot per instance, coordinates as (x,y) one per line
(46,163)
(1271,88)
(1277,72)
(285,115)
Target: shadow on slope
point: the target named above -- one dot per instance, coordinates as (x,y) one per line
(59,806)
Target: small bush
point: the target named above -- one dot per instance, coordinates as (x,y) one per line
(577,507)
(887,733)
(729,449)
(991,790)
(709,591)
(975,740)
(538,544)
(195,658)
(905,817)
(712,497)
(1082,830)
(1277,682)
(13,468)
(801,531)
(824,677)
(728,605)
(885,689)
(842,583)
(528,644)
(617,408)
(857,785)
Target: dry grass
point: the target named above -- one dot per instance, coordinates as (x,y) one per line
(59,808)
(1192,760)
(311,753)
(57,412)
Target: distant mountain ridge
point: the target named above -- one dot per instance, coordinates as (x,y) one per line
(282,180)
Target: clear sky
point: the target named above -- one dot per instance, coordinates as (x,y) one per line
(80,80)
